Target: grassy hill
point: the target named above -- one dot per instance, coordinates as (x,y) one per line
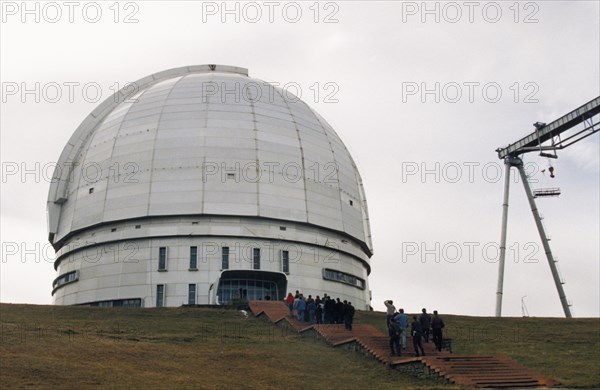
(84,347)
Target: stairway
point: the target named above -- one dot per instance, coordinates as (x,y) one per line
(485,371)
(470,370)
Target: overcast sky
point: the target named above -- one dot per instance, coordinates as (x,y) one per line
(421,98)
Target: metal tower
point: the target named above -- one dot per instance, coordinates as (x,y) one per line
(546,138)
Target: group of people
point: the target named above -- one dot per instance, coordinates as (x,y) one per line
(421,328)
(324,310)
(327,310)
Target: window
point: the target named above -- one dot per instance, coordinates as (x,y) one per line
(256,258)
(225,257)
(133,302)
(232,291)
(285,262)
(138,226)
(193,257)
(113,230)
(162,258)
(342,277)
(351,202)
(91,190)
(191,294)
(160,295)
(64,279)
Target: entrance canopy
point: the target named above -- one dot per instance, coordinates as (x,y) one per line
(250,285)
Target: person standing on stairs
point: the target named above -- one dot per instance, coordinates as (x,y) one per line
(436,325)
(300,307)
(348,316)
(311,308)
(425,320)
(339,311)
(289,300)
(402,320)
(394,333)
(319,310)
(417,332)
(391,310)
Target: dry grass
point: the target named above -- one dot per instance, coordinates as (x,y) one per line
(83,347)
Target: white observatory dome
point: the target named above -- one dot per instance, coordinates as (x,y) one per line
(205,155)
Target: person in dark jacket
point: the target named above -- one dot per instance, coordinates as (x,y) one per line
(417,332)
(425,320)
(311,309)
(348,316)
(436,325)
(329,307)
(339,311)
(319,310)
(394,333)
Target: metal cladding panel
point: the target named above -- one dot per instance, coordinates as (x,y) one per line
(310,127)
(135,151)
(263,111)
(267,139)
(350,214)
(182,124)
(230,208)
(278,157)
(182,181)
(126,207)
(196,141)
(275,122)
(191,199)
(294,206)
(230,134)
(317,155)
(174,105)
(178,141)
(221,144)
(132,279)
(188,177)
(280,111)
(66,218)
(104,136)
(247,198)
(101,152)
(193,134)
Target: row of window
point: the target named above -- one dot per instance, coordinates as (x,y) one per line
(342,277)
(64,279)
(135,302)
(162,259)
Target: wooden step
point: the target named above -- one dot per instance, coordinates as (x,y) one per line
(465,370)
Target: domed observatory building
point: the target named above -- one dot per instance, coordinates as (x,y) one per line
(202,185)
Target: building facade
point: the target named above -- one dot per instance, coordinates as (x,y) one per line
(202,185)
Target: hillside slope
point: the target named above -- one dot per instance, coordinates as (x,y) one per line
(84,347)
